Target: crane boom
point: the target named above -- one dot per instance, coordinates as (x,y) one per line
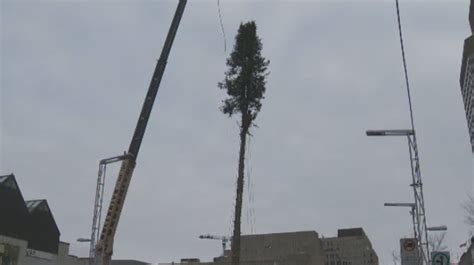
(104,248)
(155,82)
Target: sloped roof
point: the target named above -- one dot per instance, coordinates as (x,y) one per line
(29,220)
(4,177)
(37,205)
(40,206)
(9,181)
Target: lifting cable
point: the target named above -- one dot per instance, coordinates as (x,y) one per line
(222,25)
(251,205)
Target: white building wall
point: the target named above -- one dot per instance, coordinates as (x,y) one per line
(33,257)
(20,245)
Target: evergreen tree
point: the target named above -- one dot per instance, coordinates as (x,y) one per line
(244,83)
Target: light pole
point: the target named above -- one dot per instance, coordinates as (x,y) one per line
(412,211)
(437,242)
(418,207)
(389,132)
(437,228)
(400,204)
(85,240)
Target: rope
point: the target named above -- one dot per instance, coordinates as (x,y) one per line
(250,205)
(222,25)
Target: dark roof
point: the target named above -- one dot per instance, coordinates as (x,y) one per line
(14,220)
(9,181)
(31,221)
(37,205)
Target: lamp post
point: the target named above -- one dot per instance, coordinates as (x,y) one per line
(418,207)
(437,228)
(436,242)
(400,204)
(389,132)
(412,206)
(85,240)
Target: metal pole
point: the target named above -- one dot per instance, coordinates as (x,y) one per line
(412,212)
(416,208)
(416,173)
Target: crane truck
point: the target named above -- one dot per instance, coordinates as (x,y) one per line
(104,246)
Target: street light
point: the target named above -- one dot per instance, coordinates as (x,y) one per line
(405,204)
(85,240)
(418,207)
(389,132)
(412,212)
(437,228)
(437,241)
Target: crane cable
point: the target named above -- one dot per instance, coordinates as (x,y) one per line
(222,25)
(250,206)
(405,67)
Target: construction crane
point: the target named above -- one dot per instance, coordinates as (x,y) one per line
(224,240)
(104,246)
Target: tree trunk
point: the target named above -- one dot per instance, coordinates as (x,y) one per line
(246,120)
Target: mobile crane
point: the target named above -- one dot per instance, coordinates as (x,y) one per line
(104,247)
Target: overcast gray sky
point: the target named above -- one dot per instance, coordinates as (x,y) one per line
(74,75)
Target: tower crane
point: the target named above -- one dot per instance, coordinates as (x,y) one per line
(104,246)
(224,240)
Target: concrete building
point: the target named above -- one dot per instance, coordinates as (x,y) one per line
(466,79)
(28,232)
(15,251)
(350,247)
(292,248)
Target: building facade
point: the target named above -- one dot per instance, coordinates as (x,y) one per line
(292,248)
(350,247)
(466,79)
(28,232)
(15,251)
